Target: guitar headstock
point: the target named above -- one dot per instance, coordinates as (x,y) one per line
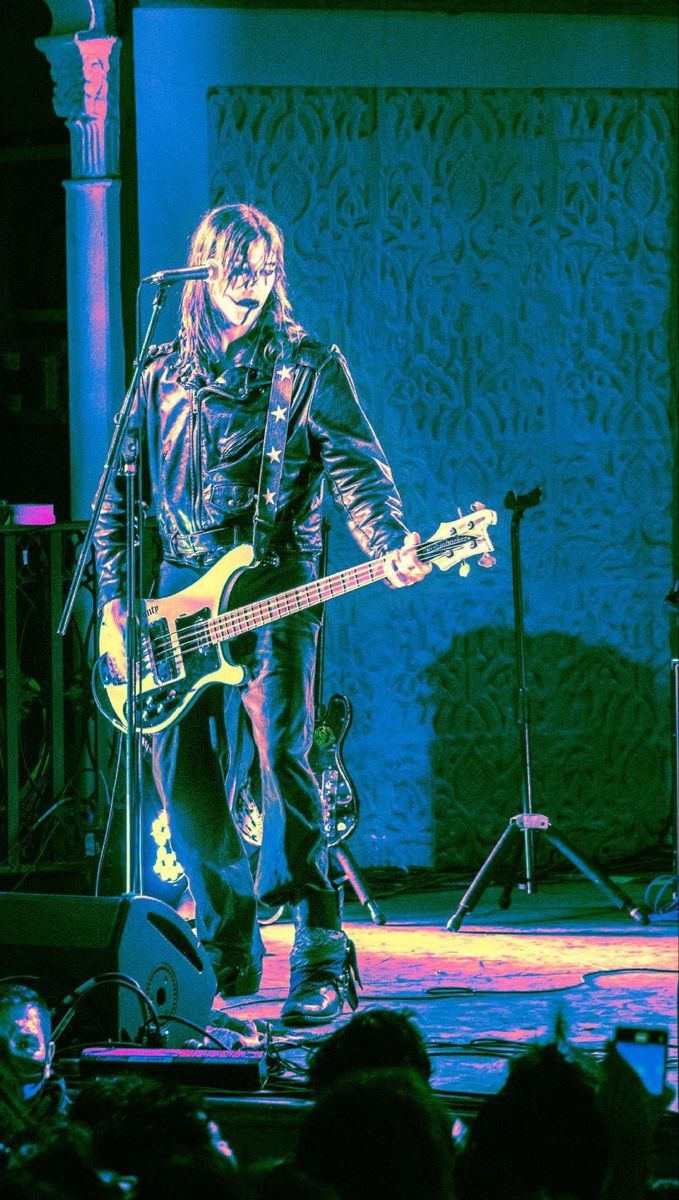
(467,536)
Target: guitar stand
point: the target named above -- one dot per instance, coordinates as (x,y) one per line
(340,856)
(529,823)
(539,823)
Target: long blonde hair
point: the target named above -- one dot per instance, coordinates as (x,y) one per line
(224,236)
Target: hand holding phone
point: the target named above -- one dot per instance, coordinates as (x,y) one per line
(646,1052)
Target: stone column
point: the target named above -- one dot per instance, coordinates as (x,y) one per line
(85,69)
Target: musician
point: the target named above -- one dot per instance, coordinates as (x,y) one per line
(203,402)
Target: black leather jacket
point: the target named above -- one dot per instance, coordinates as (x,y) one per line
(201,455)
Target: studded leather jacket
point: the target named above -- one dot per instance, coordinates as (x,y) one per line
(201,444)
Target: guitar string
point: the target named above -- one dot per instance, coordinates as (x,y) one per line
(235,622)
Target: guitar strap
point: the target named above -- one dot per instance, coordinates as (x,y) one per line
(273,456)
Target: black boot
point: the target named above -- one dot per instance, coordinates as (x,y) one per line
(323,974)
(239,981)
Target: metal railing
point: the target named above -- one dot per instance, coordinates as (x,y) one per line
(55,749)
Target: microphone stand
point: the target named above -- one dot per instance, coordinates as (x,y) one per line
(518,505)
(123,457)
(527,824)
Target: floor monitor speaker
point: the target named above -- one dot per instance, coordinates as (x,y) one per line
(58,943)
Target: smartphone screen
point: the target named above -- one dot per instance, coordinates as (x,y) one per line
(646,1052)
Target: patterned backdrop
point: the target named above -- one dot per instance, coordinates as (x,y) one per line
(496,265)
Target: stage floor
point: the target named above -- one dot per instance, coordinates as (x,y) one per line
(500,981)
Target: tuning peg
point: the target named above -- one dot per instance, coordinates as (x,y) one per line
(464,569)
(477,506)
(487,560)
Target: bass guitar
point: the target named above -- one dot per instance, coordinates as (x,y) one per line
(184,638)
(339,799)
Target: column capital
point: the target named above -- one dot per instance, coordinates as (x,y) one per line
(77,16)
(86,72)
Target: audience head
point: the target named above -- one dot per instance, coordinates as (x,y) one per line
(25,1037)
(136,1123)
(371,1040)
(379,1135)
(201,1174)
(542,1135)
(58,1166)
(282,1181)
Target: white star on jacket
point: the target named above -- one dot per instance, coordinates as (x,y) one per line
(279,413)
(274,455)
(285,373)
(269,497)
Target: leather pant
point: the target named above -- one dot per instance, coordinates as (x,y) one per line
(276,702)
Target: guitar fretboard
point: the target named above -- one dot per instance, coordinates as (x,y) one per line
(263,612)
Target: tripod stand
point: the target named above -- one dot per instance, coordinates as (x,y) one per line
(527,823)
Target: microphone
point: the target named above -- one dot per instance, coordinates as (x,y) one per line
(209,270)
(521,502)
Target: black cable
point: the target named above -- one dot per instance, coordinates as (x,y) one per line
(632,971)
(192,1025)
(109,817)
(109,977)
(38,859)
(662,883)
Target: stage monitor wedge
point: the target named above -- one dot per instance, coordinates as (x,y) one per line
(57,943)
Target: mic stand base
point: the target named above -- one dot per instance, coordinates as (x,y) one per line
(339,855)
(538,823)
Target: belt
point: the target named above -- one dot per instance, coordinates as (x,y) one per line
(186,545)
(213,541)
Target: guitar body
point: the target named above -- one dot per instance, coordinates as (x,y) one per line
(339,799)
(178,662)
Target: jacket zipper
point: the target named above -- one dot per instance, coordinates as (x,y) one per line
(195,459)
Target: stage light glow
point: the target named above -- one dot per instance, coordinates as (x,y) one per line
(167,866)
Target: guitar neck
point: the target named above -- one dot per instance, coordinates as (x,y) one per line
(263,612)
(320,650)
(253,616)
